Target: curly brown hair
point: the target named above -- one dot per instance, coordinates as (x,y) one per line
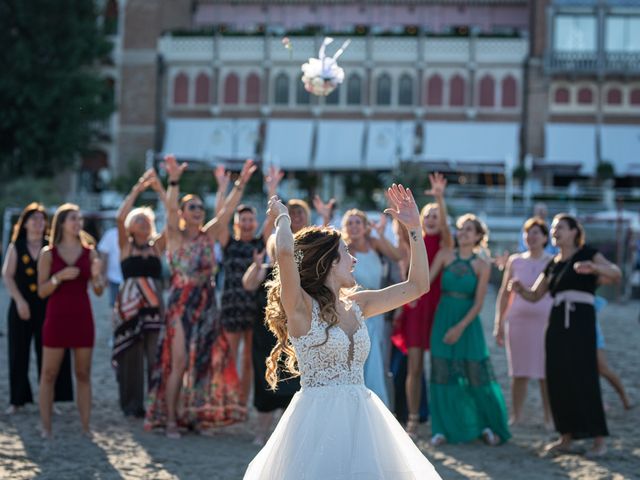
(319,247)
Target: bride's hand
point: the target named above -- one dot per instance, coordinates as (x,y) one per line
(402,206)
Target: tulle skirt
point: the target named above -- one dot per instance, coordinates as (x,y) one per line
(339,433)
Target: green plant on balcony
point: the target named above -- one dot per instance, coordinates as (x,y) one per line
(520,174)
(605,170)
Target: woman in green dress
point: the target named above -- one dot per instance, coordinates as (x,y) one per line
(465,400)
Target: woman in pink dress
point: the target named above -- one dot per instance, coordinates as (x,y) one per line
(521,325)
(413,327)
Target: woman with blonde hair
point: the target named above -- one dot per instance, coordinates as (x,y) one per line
(27,310)
(334,427)
(367,249)
(194,384)
(65,267)
(465,400)
(138,308)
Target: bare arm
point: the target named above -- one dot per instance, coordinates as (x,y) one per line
(502,301)
(271,181)
(608,272)
(438,263)
(384,246)
(375,302)
(535,293)
(171,201)
(8,275)
(256,273)
(46,286)
(438,186)
(97,280)
(125,208)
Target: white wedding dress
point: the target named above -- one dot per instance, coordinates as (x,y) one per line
(335,428)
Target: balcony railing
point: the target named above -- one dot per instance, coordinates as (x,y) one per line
(592,62)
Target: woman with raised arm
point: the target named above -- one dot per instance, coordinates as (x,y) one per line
(570,344)
(334,427)
(65,268)
(367,249)
(238,307)
(194,383)
(465,400)
(138,308)
(413,331)
(521,325)
(27,309)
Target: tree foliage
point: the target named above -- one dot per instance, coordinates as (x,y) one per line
(51,94)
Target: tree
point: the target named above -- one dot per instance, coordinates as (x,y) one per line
(51,94)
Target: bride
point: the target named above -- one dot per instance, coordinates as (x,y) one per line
(334,428)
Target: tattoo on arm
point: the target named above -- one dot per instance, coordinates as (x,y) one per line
(414,236)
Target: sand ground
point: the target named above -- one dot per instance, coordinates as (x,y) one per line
(120,448)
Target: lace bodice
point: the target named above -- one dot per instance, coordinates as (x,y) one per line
(339,361)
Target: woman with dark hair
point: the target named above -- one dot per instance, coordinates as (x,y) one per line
(194,383)
(334,427)
(238,307)
(138,307)
(465,400)
(521,325)
(65,268)
(26,311)
(570,343)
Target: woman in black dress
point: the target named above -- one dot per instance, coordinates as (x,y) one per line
(266,401)
(570,344)
(26,311)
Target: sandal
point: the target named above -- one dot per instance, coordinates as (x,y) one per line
(438,439)
(490,438)
(172,431)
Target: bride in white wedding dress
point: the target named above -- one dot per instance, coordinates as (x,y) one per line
(334,428)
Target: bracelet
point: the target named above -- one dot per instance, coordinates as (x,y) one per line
(238,184)
(54,280)
(275,223)
(174,183)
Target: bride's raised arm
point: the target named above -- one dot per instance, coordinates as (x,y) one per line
(292,296)
(402,207)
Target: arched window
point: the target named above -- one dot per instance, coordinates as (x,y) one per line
(383,90)
(614,96)
(202,89)
(487,91)
(282,89)
(181,89)
(231,89)
(634,98)
(405,90)
(561,95)
(252,89)
(302,96)
(585,96)
(333,98)
(434,91)
(354,90)
(509,92)
(456,91)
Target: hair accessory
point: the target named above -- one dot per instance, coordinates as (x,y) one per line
(298,256)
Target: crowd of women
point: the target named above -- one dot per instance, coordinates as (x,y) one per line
(184,363)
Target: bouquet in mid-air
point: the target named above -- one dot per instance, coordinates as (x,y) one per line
(322,75)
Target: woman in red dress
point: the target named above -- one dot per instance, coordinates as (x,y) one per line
(65,268)
(413,330)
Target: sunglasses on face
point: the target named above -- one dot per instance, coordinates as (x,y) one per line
(192,207)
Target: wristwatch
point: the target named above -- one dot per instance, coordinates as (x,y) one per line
(55,280)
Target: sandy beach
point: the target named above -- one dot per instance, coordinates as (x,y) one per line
(120,449)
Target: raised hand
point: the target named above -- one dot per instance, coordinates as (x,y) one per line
(323,209)
(272,179)
(222,177)
(248,169)
(258,256)
(276,207)
(438,185)
(501,260)
(380,225)
(173,169)
(153,181)
(402,206)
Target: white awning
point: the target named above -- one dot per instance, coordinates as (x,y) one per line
(571,144)
(382,145)
(471,141)
(288,144)
(621,146)
(339,145)
(407,140)
(210,139)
